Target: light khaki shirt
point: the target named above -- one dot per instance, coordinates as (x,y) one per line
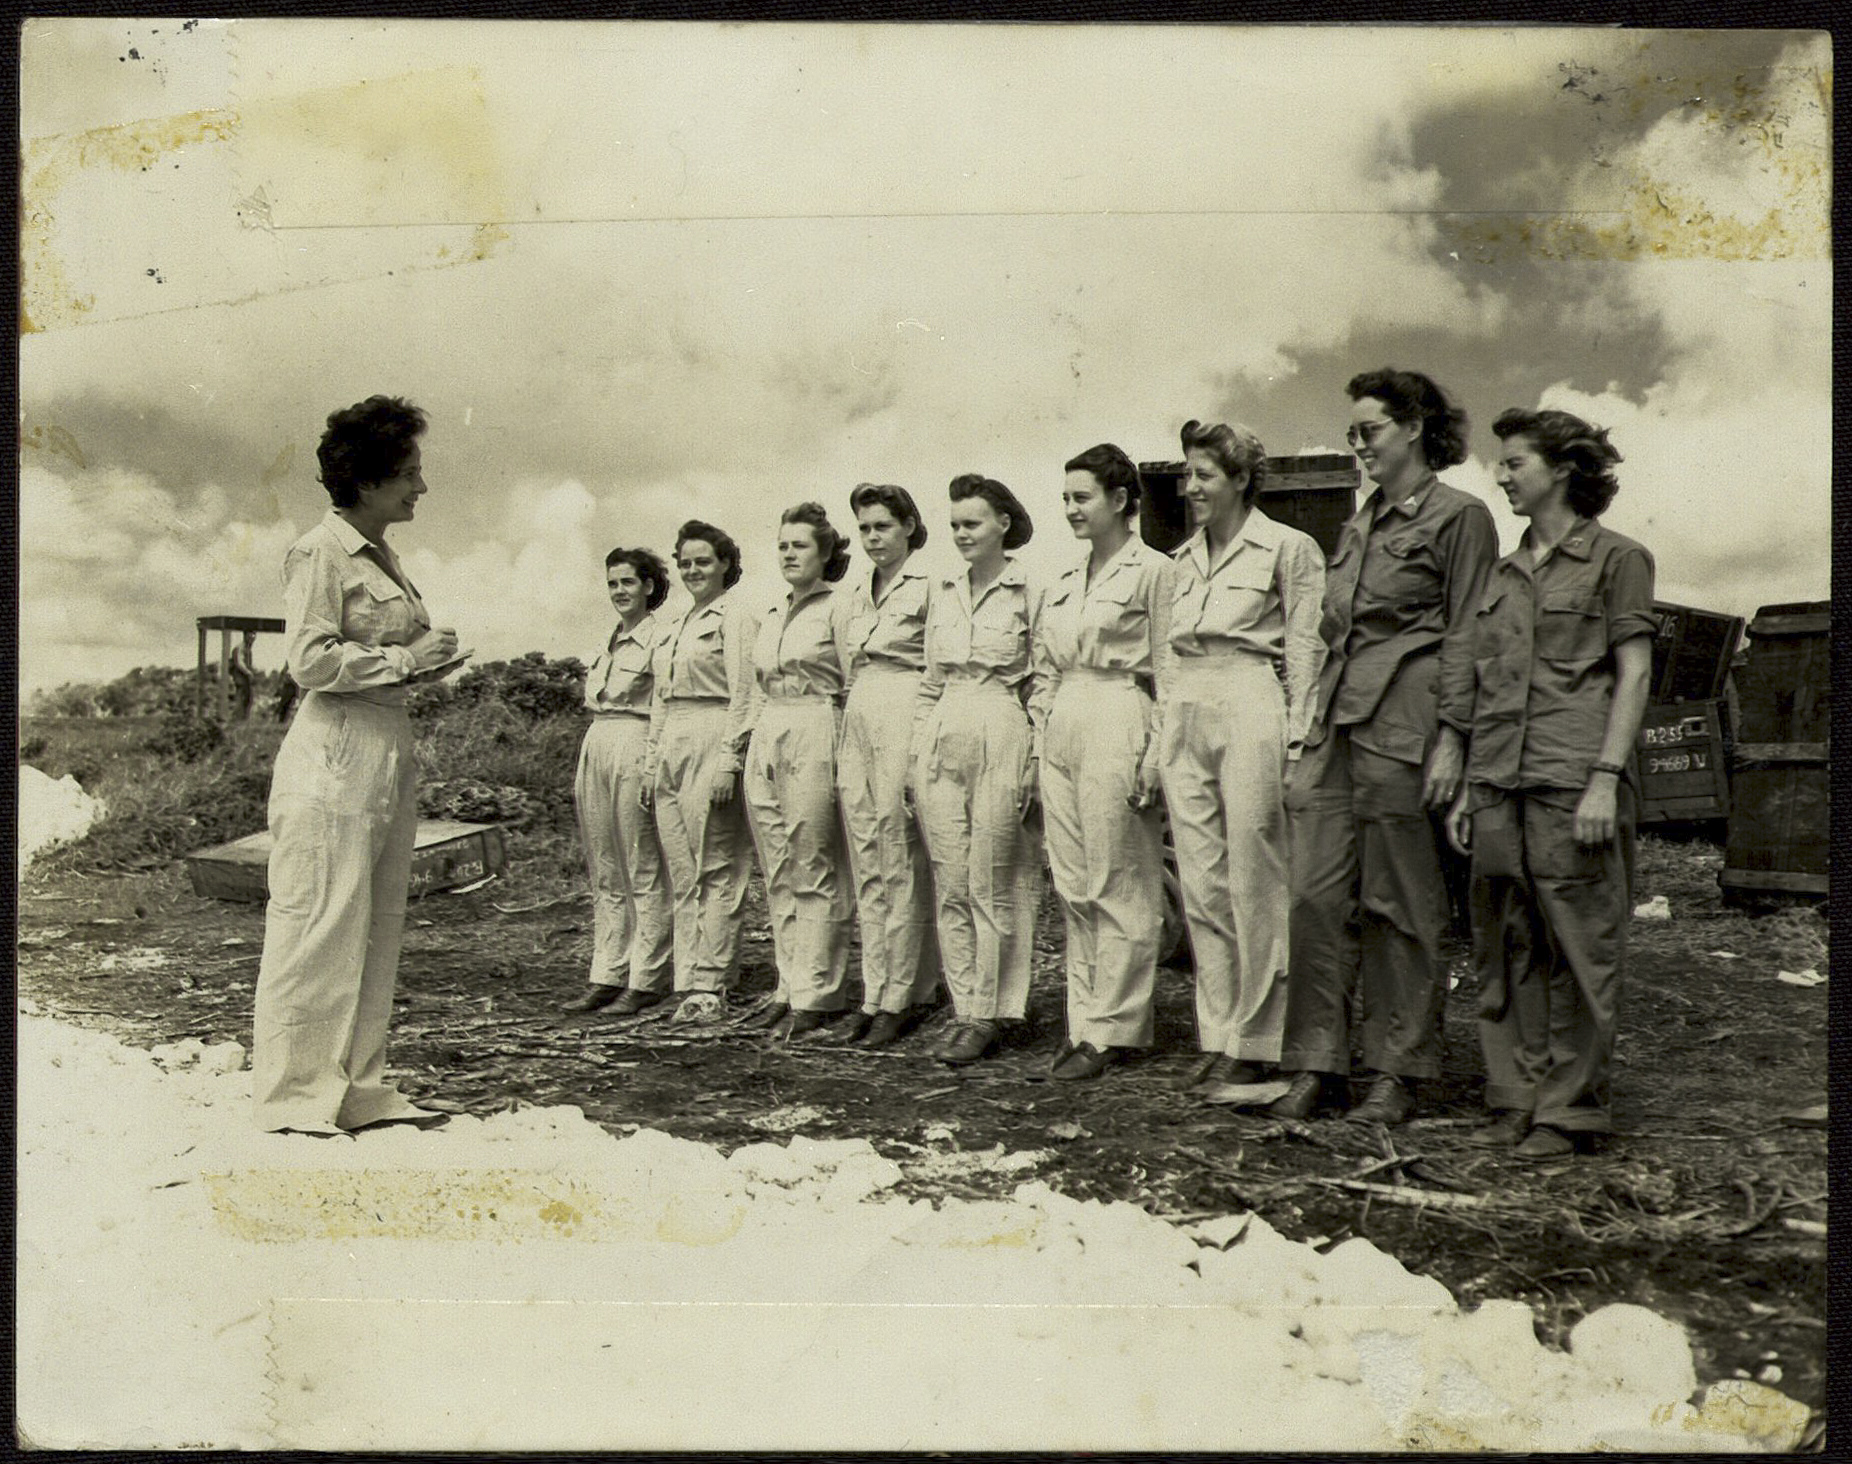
(795,652)
(889,631)
(351,611)
(619,681)
(982,638)
(705,655)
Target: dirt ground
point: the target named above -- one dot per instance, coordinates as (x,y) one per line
(1702,1207)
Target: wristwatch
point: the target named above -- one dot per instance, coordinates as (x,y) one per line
(1607,767)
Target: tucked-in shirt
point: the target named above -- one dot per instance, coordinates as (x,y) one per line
(795,653)
(888,631)
(1403,583)
(1543,643)
(705,655)
(619,681)
(1262,597)
(1120,622)
(351,611)
(986,638)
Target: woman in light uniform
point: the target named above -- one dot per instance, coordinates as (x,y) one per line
(632,923)
(882,646)
(974,773)
(344,792)
(791,777)
(700,719)
(1098,647)
(1245,653)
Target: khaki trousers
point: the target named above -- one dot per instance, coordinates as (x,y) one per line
(1224,758)
(987,870)
(1105,858)
(707,849)
(632,918)
(893,878)
(344,819)
(791,801)
(1550,947)
(1369,906)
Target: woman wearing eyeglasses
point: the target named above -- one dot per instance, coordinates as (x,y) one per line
(1384,757)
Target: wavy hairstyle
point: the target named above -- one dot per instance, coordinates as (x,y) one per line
(650,569)
(1408,396)
(725,550)
(366,444)
(830,543)
(897,501)
(1004,502)
(1111,469)
(1563,439)
(1233,448)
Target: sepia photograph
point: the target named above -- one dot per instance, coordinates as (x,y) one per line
(911,736)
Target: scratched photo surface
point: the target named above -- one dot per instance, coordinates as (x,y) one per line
(638,273)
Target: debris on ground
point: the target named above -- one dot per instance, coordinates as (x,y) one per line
(1657,908)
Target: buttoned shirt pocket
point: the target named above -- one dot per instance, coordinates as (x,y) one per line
(1403,571)
(1571,625)
(1237,598)
(1115,635)
(996,630)
(377,612)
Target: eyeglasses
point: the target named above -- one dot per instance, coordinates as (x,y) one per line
(1364,434)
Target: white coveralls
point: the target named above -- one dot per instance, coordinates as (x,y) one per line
(972,742)
(700,718)
(882,649)
(343,820)
(1097,652)
(791,800)
(1245,654)
(632,923)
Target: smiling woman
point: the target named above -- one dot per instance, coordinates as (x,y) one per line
(344,793)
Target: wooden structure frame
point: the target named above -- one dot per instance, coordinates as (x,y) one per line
(225,625)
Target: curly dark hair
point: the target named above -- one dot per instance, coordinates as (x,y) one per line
(366,444)
(725,550)
(1111,469)
(650,569)
(1563,439)
(830,543)
(897,501)
(1004,502)
(1235,449)
(1408,396)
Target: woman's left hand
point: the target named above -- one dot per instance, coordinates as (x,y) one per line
(1445,770)
(721,794)
(1595,818)
(1144,792)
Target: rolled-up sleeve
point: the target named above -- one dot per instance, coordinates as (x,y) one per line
(1044,672)
(1160,591)
(319,657)
(1468,543)
(740,627)
(1629,598)
(1300,580)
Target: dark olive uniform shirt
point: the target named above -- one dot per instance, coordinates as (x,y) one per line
(1543,656)
(1404,581)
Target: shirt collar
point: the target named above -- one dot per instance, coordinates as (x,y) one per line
(821,587)
(346,535)
(1580,540)
(634,634)
(1409,503)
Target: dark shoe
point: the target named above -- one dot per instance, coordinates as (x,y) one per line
(1388,1102)
(1543,1142)
(1505,1131)
(767,1016)
(852,1028)
(884,1028)
(803,1023)
(632,1002)
(1084,1061)
(1238,1073)
(1200,1073)
(594,999)
(968,1043)
(1308,1092)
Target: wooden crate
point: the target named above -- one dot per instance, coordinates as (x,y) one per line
(1780,826)
(1315,493)
(1684,763)
(447,855)
(1692,652)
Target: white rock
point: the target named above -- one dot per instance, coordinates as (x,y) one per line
(51,811)
(223,1057)
(1657,908)
(1638,1349)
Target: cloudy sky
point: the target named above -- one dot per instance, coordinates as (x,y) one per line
(641,272)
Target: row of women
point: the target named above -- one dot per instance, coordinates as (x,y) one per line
(886,745)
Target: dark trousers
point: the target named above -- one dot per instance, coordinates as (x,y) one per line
(1549,945)
(1369,903)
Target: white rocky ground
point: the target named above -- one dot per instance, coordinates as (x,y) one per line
(50,811)
(530,1281)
